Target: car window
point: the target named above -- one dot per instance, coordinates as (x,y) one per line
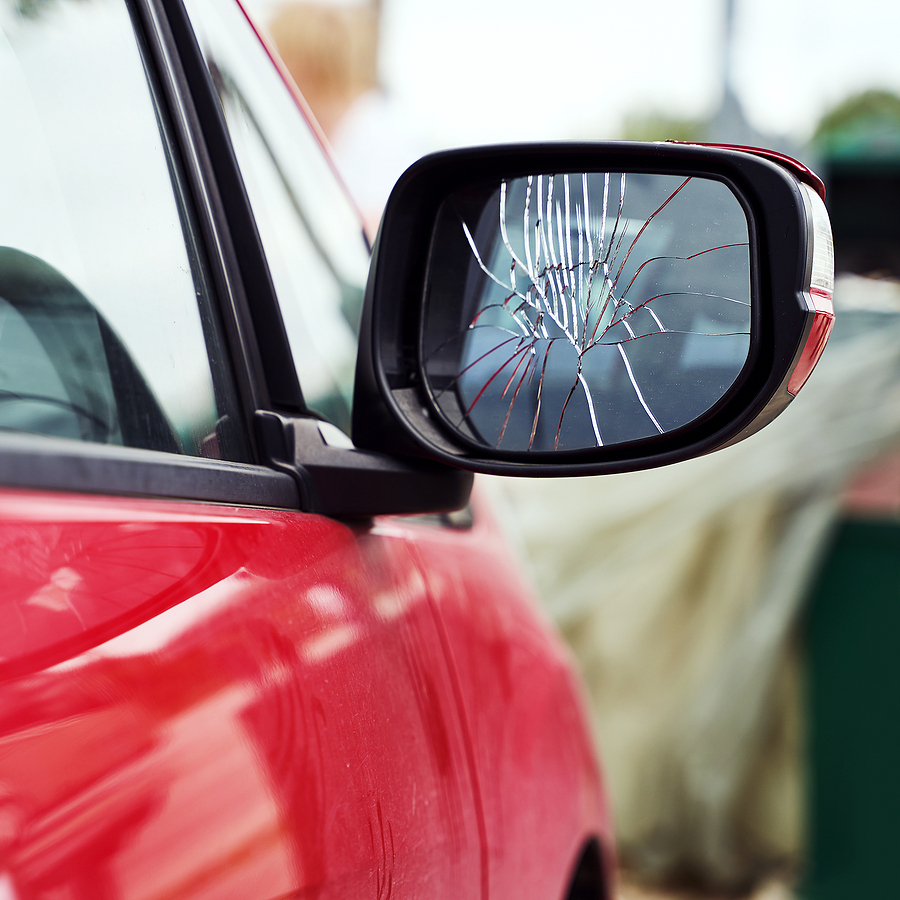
(106,324)
(311,234)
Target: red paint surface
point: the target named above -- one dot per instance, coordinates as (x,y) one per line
(200,701)
(797,168)
(875,492)
(539,784)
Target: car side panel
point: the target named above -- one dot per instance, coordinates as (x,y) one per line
(204,701)
(536,769)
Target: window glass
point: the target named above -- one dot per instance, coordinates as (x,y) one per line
(312,236)
(106,329)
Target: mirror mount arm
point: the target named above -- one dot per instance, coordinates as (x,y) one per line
(336,479)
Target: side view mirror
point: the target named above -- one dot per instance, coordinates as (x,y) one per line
(580,309)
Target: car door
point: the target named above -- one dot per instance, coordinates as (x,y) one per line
(534,779)
(205,692)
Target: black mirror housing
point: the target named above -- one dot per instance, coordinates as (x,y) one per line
(590,308)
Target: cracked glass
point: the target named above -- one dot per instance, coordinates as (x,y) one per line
(583,310)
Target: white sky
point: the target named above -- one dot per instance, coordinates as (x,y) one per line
(487,70)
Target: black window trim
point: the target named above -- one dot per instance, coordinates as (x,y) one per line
(162,60)
(60,464)
(247,294)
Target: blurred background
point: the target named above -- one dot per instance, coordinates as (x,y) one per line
(735,616)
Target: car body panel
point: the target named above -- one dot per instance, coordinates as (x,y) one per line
(283,718)
(524,713)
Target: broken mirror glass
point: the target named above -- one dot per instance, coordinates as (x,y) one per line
(583,310)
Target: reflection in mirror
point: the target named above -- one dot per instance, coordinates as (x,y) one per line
(573,311)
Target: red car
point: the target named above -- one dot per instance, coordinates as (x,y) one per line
(241,655)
